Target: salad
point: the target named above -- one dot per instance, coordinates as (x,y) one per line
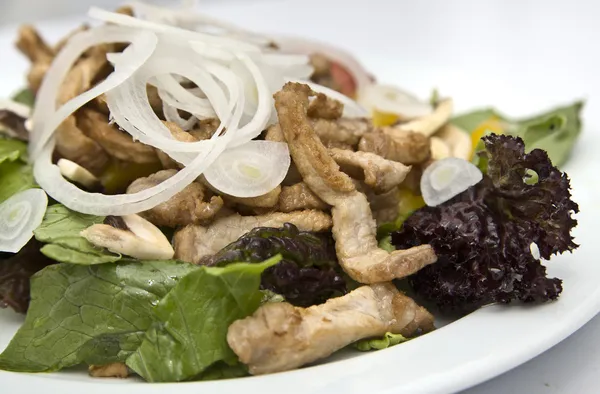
(182,199)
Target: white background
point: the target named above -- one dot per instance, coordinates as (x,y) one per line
(529,54)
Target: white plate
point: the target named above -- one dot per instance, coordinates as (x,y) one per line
(519,57)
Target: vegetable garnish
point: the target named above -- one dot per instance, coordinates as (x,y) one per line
(483,236)
(447,178)
(223,207)
(308,273)
(554,131)
(250,170)
(19,216)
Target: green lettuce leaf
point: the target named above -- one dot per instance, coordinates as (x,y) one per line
(11,150)
(60,231)
(386,341)
(222,370)
(25,96)
(554,131)
(95,314)
(190,332)
(14,178)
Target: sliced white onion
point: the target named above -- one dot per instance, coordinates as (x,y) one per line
(390,99)
(19,216)
(172,115)
(45,119)
(338,55)
(447,178)
(20,109)
(128,21)
(250,170)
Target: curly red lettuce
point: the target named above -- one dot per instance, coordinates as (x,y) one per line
(16,271)
(483,236)
(307,275)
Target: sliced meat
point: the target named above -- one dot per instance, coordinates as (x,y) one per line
(186,207)
(380,174)
(74,145)
(114,370)
(267,200)
(405,147)
(384,206)
(354,228)
(82,76)
(36,74)
(31,44)
(118,144)
(324,107)
(180,135)
(299,196)
(344,130)
(193,243)
(279,337)
(205,128)
(428,124)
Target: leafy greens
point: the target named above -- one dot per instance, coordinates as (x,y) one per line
(384,342)
(190,330)
(554,131)
(307,275)
(96,314)
(483,236)
(60,231)
(15,174)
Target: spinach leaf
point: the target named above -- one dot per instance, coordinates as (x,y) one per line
(11,150)
(60,230)
(14,178)
(190,332)
(96,314)
(389,339)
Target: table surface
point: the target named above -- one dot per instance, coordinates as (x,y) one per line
(549,44)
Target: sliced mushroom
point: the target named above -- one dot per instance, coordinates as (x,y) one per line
(279,337)
(404,147)
(76,173)
(429,124)
(439,149)
(380,174)
(299,196)
(13,125)
(354,228)
(186,207)
(74,145)
(457,139)
(114,370)
(194,243)
(325,108)
(118,144)
(63,41)
(141,240)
